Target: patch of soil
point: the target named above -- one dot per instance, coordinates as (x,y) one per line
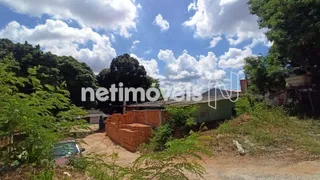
(99,143)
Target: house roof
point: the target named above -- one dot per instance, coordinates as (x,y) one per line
(209,96)
(95,113)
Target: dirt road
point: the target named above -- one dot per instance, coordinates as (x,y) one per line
(244,168)
(224,167)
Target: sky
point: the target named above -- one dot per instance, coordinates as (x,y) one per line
(182,43)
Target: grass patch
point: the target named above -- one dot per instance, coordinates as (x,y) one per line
(272,128)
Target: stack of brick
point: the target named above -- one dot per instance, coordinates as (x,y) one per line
(133,128)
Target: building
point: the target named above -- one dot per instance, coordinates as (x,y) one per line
(212,107)
(94,116)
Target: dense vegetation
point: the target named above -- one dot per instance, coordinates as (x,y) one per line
(293,26)
(52,70)
(41,117)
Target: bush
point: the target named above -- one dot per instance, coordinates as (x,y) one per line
(41,117)
(182,117)
(249,104)
(160,137)
(178,125)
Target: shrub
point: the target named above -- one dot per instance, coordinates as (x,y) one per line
(180,122)
(41,116)
(159,138)
(182,117)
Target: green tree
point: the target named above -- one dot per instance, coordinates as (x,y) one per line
(294,28)
(33,115)
(77,75)
(52,70)
(127,70)
(256,71)
(267,74)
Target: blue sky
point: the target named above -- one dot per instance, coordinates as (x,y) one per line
(181,43)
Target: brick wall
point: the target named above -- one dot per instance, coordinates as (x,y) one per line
(133,128)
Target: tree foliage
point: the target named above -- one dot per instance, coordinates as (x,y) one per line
(52,70)
(294,28)
(265,73)
(41,117)
(127,70)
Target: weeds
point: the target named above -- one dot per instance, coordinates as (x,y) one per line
(271,127)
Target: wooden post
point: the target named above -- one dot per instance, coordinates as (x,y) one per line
(124,107)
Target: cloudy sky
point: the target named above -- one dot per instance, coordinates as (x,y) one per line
(180,42)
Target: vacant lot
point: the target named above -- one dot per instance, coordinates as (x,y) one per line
(99,143)
(224,165)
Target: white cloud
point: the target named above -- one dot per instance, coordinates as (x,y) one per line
(192,6)
(234,58)
(151,66)
(117,15)
(230,18)
(162,23)
(215,41)
(134,44)
(187,68)
(56,36)
(166,55)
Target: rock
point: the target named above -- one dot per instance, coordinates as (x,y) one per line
(67,174)
(239,148)
(290,149)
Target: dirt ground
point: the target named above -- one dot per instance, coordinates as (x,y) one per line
(246,168)
(224,167)
(99,143)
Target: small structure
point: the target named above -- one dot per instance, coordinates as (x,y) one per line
(300,89)
(301,81)
(94,116)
